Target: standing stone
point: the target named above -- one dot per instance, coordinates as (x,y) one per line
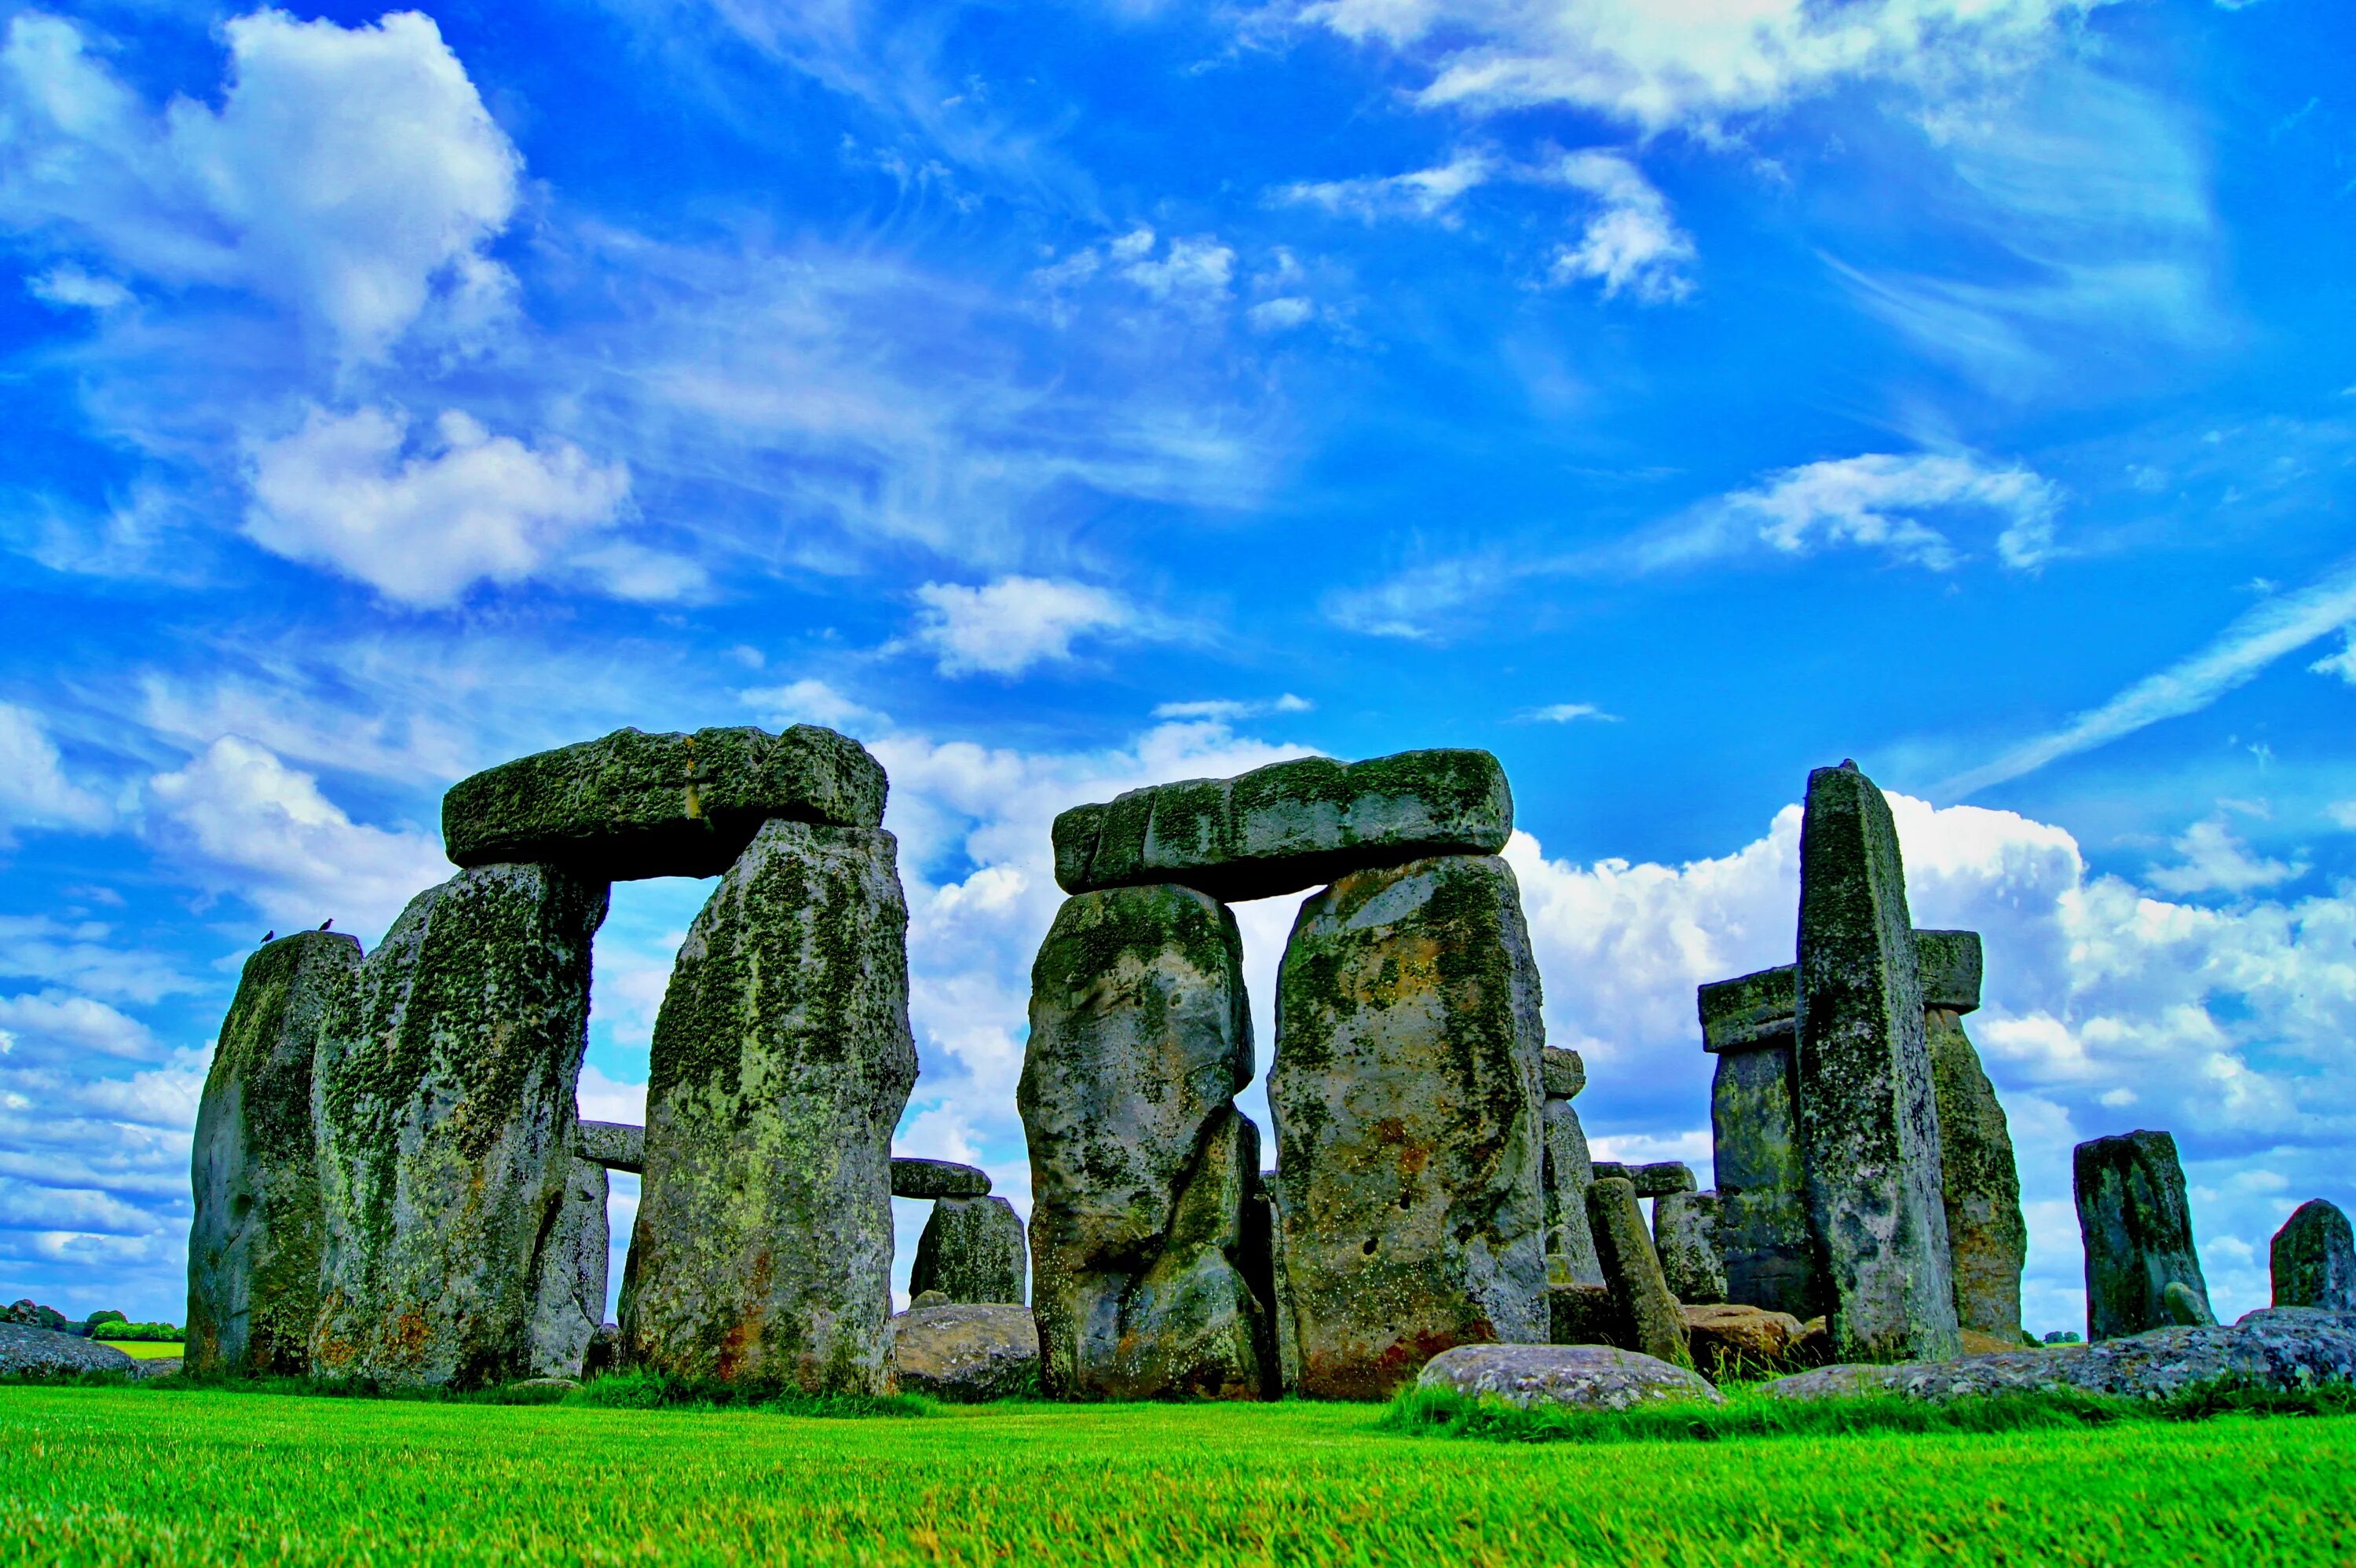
(1647,1314)
(253,1248)
(1569,1172)
(2314,1259)
(782,1058)
(1869,1117)
(1408,1125)
(971,1252)
(444,1097)
(1141,1164)
(1684,1236)
(1763,1208)
(1987,1238)
(2138,1235)
(570,1306)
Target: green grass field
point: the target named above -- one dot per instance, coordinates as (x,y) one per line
(94,1475)
(144,1349)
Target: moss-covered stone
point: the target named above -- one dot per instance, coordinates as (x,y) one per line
(1288,826)
(1987,1238)
(913,1178)
(1141,1169)
(1762,1212)
(634,804)
(569,1304)
(253,1246)
(616,1145)
(1685,1227)
(1645,1314)
(782,1058)
(2137,1230)
(971,1250)
(2313,1259)
(1869,1117)
(443,1096)
(1570,1171)
(1406,1093)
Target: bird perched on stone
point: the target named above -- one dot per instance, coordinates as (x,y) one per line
(270,935)
(328,923)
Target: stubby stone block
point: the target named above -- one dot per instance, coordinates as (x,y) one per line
(1582,1314)
(569,1306)
(971,1250)
(2313,1259)
(1661,1178)
(1648,1315)
(1869,1117)
(1141,1167)
(1685,1229)
(1290,826)
(1562,1073)
(1762,1211)
(937,1178)
(1987,1238)
(782,1058)
(1406,1095)
(253,1247)
(1751,1010)
(2137,1230)
(444,1097)
(1569,1245)
(1572,1377)
(616,1145)
(1947,965)
(634,804)
(966,1353)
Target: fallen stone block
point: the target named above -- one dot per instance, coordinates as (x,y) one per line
(1728,1340)
(967,1354)
(2313,1259)
(914,1178)
(27,1353)
(1571,1377)
(634,804)
(971,1250)
(2137,1230)
(1288,826)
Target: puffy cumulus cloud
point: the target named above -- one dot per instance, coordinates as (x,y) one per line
(1880,501)
(351,174)
(1189,271)
(464,507)
(238,820)
(55,1024)
(2216,860)
(1690,66)
(812,701)
(1007,626)
(2105,1008)
(1632,242)
(34,789)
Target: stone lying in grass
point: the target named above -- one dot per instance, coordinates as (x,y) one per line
(45,1352)
(2281,1349)
(966,1353)
(1578,1377)
(1728,1340)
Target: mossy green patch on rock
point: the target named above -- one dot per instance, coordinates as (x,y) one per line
(1406,1093)
(1987,1237)
(254,1246)
(782,1058)
(633,804)
(1290,826)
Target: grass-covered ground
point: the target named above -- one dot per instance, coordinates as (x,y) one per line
(144,1349)
(94,1475)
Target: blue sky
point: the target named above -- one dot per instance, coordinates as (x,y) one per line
(1063,396)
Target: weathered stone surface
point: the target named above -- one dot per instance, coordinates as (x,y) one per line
(1562,1073)
(1684,1226)
(569,1303)
(2313,1259)
(1582,1314)
(781,1061)
(634,804)
(1661,1178)
(937,1178)
(1578,1377)
(1762,1211)
(1867,1111)
(2283,1348)
(616,1145)
(1647,1312)
(1987,1238)
(1610,1170)
(2137,1231)
(444,1097)
(27,1353)
(1729,1340)
(1141,1164)
(1406,1096)
(253,1246)
(1569,1245)
(971,1250)
(966,1353)
(1751,1010)
(1288,826)
(1947,966)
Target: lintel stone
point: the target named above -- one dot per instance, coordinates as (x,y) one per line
(616,1145)
(913,1178)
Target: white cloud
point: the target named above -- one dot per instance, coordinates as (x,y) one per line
(811,702)
(1281,313)
(2255,639)
(238,820)
(60,1023)
(352,175)
(69,288)
(1191,271)
(1632,242)
(1569,713)
(34,789)
(2215,860)
(1427,194)
(2341,663)
(1006,626)
(1227,710)
(1879,500)
(468,507)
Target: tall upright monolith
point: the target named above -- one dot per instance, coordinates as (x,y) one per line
(569,1306)
(444,1098)
(1867,1109)
(253,1246)
(2137,1230)
(1409,1131)
(1141,1168)
(1761,1231)
(1987,1237)
(782,1058)
(1684,1238)
(2313,1259)
(1570,1171)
